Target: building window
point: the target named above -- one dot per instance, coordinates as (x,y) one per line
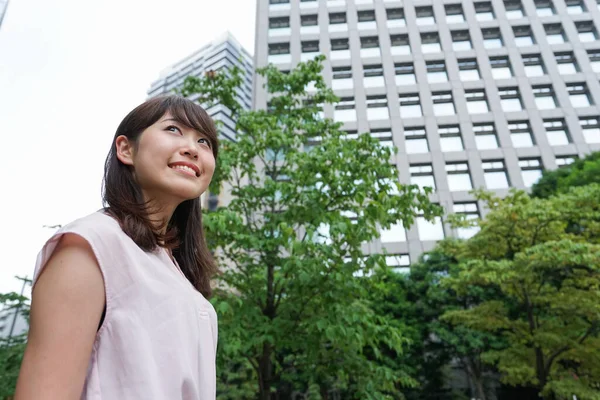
(575,6)
(450,138)
(395,17)
(340,49)
(399,263)
(520,134)
(514,9)
(579,94)
(405,74)
(366,20)
(342,78)
(594,56)
(430,42)
(279,26)
(461,40)
(468,70)
(344,110)
(590,127)
(279,53)
(338,22)
(309,20)
(554,33)
(523,36)
(384,136)
(410,105)
(373,76)
(484,11)
(562,161)
(533,64)
(586,31)
(310,49)
(485,136)
(501,67)
(556,132)
(510,99)
(377,107)
(369,46)
(443,104)
(400,45)
(492,39)
(545,99)
(494,174)
(454,14)
(476,101)
(433,230)
(422,176)
(436,71)
(544,8)
(415,140)
(531,170)
(458,176)
(566,63)
(470,211)
(395,233)
(425,16)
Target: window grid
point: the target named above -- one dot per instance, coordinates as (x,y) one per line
(557,132)
(485,136)
(450,138)
(520,134)
(590,127)
(416,140)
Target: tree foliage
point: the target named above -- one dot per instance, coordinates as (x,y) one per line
(549,280)
(12,347)
(305,198)
(580,173)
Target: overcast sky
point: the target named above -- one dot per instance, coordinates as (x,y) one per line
(70,70)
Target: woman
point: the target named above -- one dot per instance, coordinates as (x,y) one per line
(119,307)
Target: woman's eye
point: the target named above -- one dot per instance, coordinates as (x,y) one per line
(204,141)
(173,128)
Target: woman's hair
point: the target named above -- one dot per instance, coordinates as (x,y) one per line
(122,196)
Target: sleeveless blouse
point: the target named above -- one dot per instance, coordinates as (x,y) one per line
(158,339)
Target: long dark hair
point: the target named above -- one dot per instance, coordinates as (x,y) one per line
(123,198)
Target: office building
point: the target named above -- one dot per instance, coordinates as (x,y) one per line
(474,94)
(222,53)
(3,7)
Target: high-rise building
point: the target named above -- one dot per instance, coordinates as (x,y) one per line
(3,7)
(222,53)
(474,94)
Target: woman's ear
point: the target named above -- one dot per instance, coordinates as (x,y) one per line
(124,150)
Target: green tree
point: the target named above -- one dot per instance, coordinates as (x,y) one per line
(580,173)
(416,301)
(305,197)
(12,346)
(549,279)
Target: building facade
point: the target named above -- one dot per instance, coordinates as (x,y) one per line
(222,53)
(474,94)
(3,7)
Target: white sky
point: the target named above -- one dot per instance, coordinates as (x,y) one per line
(70,70)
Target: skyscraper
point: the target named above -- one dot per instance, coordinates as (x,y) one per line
(474,94)
(3,7)
(222,53)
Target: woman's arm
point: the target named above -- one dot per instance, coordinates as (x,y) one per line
(66,308)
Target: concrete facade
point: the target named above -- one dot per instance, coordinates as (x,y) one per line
(472,93)
(222,53)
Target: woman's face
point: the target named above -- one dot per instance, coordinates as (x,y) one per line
(171,162)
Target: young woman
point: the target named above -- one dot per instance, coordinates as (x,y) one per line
(119,307)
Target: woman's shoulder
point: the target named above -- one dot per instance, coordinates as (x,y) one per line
(99,222)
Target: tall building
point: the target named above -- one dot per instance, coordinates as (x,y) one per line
(222,53)
(474,94)
(3,7)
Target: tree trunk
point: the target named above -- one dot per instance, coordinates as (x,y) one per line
(265,367)
(476,377)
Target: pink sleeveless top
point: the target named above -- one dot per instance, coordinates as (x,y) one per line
(159,335)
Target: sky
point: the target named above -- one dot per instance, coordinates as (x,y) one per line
(70,70)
